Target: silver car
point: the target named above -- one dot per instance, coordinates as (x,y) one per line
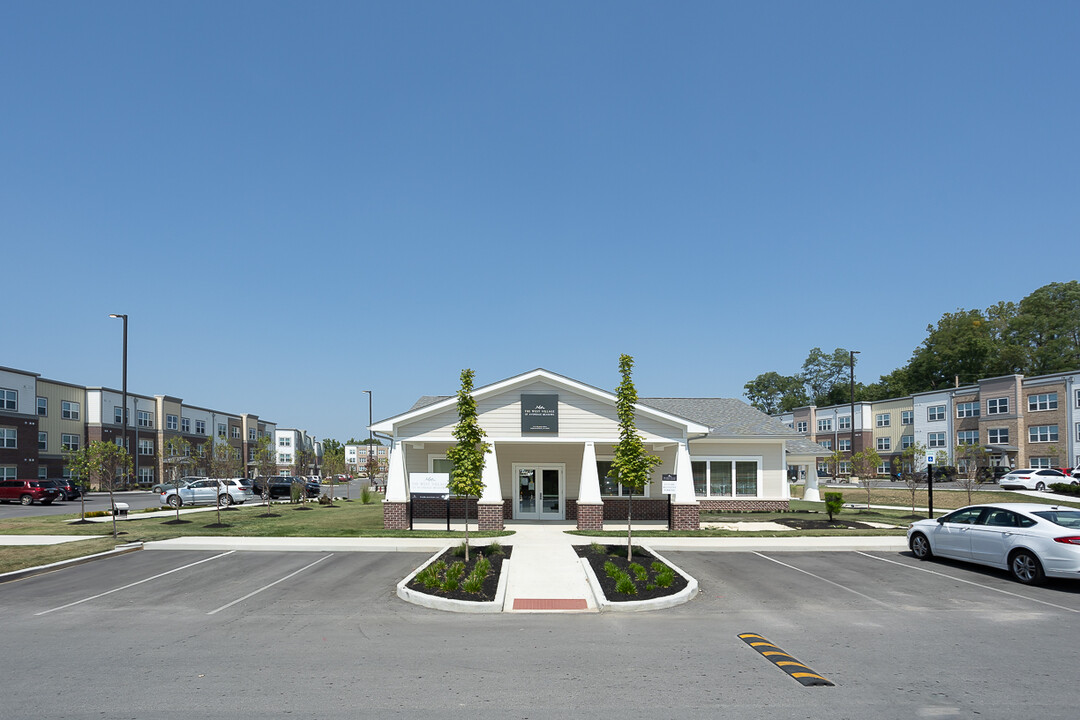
(225,491)
(1030,540)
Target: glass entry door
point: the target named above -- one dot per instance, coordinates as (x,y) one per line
(539,492)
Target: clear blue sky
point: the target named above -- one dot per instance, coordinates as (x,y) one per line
(713,188)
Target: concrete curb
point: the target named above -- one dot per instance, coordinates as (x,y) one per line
(42,569)
(680,598)
(460,606)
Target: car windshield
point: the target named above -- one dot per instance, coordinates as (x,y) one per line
(1064,518)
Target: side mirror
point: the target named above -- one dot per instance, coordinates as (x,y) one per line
(941,520)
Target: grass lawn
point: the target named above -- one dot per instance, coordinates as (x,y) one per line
(18,557)
(943,499)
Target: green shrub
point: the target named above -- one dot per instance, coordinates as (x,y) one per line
(658,567)
(625,585)
(1065,488)
(597,548)
(455,572)
(611,569)
(665,577)
(494,548)
(473,584)
(482,567)
(459,551)
(833,502)
(98,513)
(365,495)
(639,572)
(294,491)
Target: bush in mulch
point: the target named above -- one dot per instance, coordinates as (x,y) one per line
(449,576)
(644,578)
(814,524)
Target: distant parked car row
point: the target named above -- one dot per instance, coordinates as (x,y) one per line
(208,491)
(45,491)
(1037,479)
(280,486)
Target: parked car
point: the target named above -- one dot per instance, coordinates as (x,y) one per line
(280,486)
(27,491)
(170,484)
(68,489)
(1031,479)
(1030,540)
(225,491)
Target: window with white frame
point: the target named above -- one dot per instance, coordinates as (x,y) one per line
(967,409)
(251,454)
(172,422)
(843,467)
(8,472)
(185,424)
(884,443)
(1077,432)
(252,435)
(843,422)
(824,425)
(935,440)
(1078,398)
(146,447)
(69,442)
(608,486)
(43,442)
(116,415)
(727,477)
(843,444)
(823,468)
(42,472)
(935,413)
(885,468)
(234,432)
(144,419)
(43,407)
(906,441)
(69,410)
(907,417)
(1041,463)
(66,473)
(221,430)
(883,419)
(9,399)
(1043,433)
(200,427)
(122,441)
(1044,401)
(997,436)
(146,474)
(8,438)
(284,458)
(284,441)
(800,426)
(997,406)
(827,444)
(967,437)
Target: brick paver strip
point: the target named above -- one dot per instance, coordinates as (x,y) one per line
(549,604)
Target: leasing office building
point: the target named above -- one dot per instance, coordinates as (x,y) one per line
(552,442)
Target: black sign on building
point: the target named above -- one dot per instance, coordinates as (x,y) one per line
(539,413)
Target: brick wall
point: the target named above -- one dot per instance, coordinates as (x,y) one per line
(396,516)
(723,506)
(589,517)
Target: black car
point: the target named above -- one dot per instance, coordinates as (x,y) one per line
(68,489)
(280,486)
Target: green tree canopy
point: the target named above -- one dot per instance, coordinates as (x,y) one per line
(467,456)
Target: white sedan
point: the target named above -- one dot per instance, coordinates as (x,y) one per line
(1030,540)
(1032,479)
(208,492)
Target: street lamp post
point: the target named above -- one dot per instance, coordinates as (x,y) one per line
(123,401)
(851,362)
(370,449)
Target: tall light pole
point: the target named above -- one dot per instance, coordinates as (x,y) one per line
(123,402)
(370,449)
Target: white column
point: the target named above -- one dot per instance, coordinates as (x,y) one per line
(589,489)
(397,485)
(684,477)
(492,489)
(810,492)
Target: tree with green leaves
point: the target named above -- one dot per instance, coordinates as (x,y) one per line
(1047,322)
(864,464)
(911,457)
(176,454)
(78,463)
(333,464)
(631,466)
(467,456)
(970,460)
(108,463)
(834,459)
(826,373)
(773,393)
(266,464)
(223,463)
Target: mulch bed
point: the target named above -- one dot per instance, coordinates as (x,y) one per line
(617,555)
(837,524)
(491,583)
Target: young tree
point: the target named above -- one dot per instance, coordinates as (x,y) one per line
(266,464)
(631,466)
(865,464)
(334,465)
(837,457)
(177,457)
(78,462)
(223,464)
(910,458)
(304,458)
(108,462)
(467,456)
(970,460)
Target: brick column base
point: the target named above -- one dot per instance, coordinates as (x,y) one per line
(685,517)
(490,516)
(395,515)
(590,517)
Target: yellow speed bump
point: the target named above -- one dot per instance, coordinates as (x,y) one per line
(782,660)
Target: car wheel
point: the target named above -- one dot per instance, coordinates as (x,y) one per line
(1026,568)
(225,499)
(920,547)
(175,501)
(26,499)
(1040,486)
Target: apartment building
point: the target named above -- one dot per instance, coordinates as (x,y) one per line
(40,420)
(298,452)
(356,457)
(1018,421)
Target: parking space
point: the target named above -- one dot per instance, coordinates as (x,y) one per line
(257,634)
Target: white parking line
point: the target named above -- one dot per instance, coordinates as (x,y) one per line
(267,587)
(140,582)
(826,580)
(978,585)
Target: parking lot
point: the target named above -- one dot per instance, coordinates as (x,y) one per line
(322,635)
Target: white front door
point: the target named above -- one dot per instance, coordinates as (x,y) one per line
(538,492)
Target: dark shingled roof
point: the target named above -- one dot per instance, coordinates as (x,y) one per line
(428,400)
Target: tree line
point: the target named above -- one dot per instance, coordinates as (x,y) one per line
(1037,336)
